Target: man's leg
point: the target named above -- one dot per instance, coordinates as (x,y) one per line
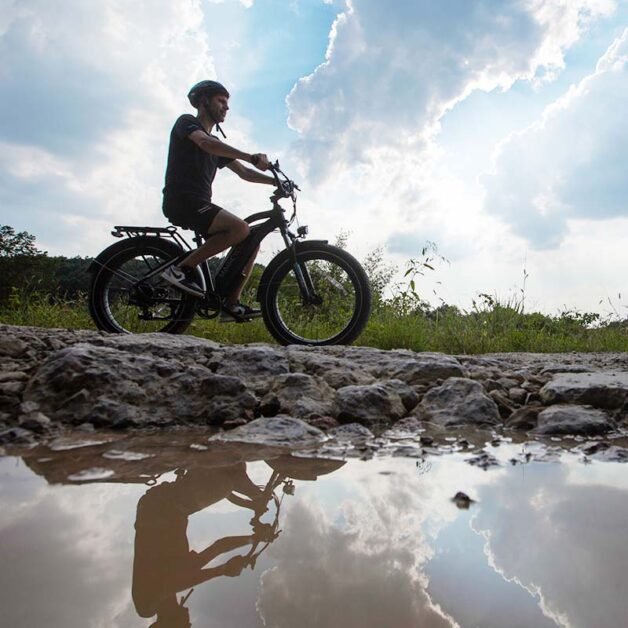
(234,297)
(225,231)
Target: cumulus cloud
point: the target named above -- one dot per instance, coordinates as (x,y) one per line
(68,550)
(390,75)
(364,561)
(571,164)
(85,104)
(572,561)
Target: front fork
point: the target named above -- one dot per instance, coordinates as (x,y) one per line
(301,273)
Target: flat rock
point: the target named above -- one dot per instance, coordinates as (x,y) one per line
(277,431)
(602,390)
(573,419)
(111,388)
(351,432)
(165,346)
(407,366)
(257,365)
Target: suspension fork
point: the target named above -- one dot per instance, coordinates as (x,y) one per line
(300,271)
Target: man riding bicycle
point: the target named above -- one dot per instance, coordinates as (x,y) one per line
(194,156)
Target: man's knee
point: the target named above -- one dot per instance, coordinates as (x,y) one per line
(240,231)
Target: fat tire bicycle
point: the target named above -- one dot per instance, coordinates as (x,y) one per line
(311,292)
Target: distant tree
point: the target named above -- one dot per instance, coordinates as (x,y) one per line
(13,244)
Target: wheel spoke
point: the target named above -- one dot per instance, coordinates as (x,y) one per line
(129,295)
(330,309)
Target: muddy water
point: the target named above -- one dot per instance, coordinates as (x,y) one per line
(149,532)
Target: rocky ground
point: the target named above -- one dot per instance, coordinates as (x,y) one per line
(57,382)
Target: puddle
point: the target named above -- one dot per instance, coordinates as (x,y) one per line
(173,532)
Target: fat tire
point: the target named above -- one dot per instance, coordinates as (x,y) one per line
(282,265)
(111,259)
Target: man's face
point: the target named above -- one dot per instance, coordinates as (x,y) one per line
(218,107)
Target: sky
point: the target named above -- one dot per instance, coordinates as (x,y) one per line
(495,129)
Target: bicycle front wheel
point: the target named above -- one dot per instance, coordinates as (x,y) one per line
(333,309)
(127,295)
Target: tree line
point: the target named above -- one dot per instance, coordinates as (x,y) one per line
(25,269)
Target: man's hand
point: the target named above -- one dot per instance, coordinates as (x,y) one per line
(260,161)
(234,566)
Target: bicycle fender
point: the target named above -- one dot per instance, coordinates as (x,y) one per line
(101,259)
(279,259)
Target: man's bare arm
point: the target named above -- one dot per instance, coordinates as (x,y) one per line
(248,174)
(214,146)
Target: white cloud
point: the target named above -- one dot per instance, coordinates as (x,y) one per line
(88,101)
(570,165)
(565,528)
(390,75)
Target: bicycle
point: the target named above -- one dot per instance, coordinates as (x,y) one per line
(311,292)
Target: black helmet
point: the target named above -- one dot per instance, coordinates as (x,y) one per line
(205,88)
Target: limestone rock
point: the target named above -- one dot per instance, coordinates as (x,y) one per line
(518,395)
(504,403)
(606,452)
(328,365)
(459,401)
(278,431)
(351,432)
(12,346)
(16,436)
(99,380)
(35,422)
(13,376)
(257,365)
(408,366)
(524,418)
(298,395)
(165,346)
(372,404)
(602,390)
(573,419)
(407,393)
(109,387)
(427,367)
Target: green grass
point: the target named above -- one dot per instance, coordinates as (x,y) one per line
(490,327)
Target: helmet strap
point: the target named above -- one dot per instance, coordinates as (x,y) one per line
(208,110)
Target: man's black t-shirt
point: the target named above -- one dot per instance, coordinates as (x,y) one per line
(190,170)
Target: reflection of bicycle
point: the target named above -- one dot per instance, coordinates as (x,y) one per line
(310,293)
(164,565)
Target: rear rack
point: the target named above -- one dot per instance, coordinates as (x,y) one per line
(119,231)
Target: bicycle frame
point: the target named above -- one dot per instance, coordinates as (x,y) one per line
(230,271)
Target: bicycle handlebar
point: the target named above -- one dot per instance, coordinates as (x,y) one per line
(286,188)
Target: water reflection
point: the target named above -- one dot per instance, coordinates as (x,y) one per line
(238,537)
(163,563)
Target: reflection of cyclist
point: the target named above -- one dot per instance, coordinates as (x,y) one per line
(164,565)
(194,156)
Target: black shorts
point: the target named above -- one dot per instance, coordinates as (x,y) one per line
(190,213)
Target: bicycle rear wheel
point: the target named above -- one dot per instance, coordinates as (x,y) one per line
(126,296)
(340,301)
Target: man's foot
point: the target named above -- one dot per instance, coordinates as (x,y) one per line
(184,279)
(238,313)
